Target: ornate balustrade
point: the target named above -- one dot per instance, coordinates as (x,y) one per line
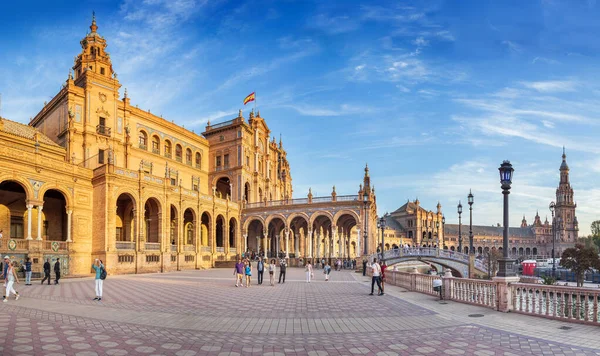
(189,248)
(55,246)
(221,249)
(173,248)
(232,251)
(125,245)
(474,291)
(424,283)
(152,246)
(557,302)
(205,249)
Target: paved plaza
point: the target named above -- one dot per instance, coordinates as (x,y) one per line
(203,313)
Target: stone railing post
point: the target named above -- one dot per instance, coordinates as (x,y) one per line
(504,292)
(472,266)
(447,284)
(413,279)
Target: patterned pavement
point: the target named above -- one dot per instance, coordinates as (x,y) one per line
(203,313)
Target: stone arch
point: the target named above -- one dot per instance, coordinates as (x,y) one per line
(255,230)
(249,220)
(318,213)
(152,219)
(345,211)
(55,215)
(276,226)
(24,183)
(65,192)
(205,220)
(220,230)
(292,216)
(125,205)
(131,193)
(13,210)
(143,139)
(155,143)
(232,232)
(173,225)
(276,216)
(223,186)
(189,226)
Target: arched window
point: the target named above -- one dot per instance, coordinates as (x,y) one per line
(143,138)
(155,145)
(198,160)
(168,149)
(178,152)
(188,157)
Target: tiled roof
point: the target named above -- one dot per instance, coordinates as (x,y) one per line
(408,206)
(21,130)
(391,223)
(478,230)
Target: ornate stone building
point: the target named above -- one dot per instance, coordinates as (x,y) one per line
(93,176)
(418,227)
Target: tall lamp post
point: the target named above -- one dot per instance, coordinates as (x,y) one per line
(444,232)
(366,202)
(470,200)
(505,264)
(459,228)
(552,207)
(381,225)
(437,237)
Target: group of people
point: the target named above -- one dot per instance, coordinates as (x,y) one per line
(10,277)
(243,271)
(378,275)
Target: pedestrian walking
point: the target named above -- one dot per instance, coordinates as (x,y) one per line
(248,271)
(238,272)
(272,268)
(282,269)
(383,268)
(364,268)
(326,271)
(5,269)
(11,279)
(99,269)
(260,268)
(376,269)
(28,271)
(46,271)
(308,270)
(57,271)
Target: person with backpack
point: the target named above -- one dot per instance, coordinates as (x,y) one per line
(46,271)
(28,271)
(326,271)
(100,272)
(260,268)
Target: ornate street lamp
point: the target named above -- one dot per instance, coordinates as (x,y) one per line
(505,265)
(459,228)
(444,231)
(470,199)
(552,207)
(381,225)
(437,238)
(366,202)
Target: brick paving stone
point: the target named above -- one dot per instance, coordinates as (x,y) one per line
(202,313)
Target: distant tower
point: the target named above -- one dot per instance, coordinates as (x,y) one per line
(524,222)
(566,225)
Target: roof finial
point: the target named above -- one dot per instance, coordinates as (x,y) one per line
(280,144)
(125,93)
(93,27)
(564,156)
(366,169)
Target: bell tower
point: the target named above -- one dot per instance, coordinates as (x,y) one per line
(94,61)
(566,224)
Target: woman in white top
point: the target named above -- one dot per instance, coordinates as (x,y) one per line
(11,278)
(309,270)
(272,267)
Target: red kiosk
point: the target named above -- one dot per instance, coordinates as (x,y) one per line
(528,267)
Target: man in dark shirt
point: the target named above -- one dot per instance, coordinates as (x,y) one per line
(282,268)
(238,271)
(46,271)
(260,266)
(364,268)
(57,271)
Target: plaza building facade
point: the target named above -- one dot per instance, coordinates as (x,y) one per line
(416,226)
(93,176)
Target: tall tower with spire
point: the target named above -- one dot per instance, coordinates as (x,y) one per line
(566,222)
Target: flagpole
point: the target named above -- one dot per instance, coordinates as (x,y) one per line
(255,102)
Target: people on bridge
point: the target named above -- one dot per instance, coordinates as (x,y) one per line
(376,272)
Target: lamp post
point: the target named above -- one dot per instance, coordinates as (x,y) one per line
(444,232)
(437,237)
(552,207)
(366,202)
(470,200)
(505,264)
(381,225)
(459,228)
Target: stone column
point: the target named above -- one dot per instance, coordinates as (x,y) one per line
(310,245)
(297,243)
(265,244)
(358,243)
(287,243)
(245,243)
(69,219)
(318,237)
(29,207)
(39,224)
(277,246)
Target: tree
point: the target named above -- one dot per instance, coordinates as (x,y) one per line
(580,259)
(595,228)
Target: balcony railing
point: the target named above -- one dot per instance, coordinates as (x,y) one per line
(221,249)
(103,130)
(189,248)
(125,245)
(153,246)
(143,146)
(173,248)
(168,154)
(156,151)
(232,250)
(55,245)
(205,249)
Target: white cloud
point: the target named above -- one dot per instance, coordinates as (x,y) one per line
(334,25)
(548,124)
(544,60)
(421,42)
(551,86)
(512,47)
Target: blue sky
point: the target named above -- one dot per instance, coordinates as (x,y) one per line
(432,94)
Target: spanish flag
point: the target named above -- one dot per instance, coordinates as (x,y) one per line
(250,98)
